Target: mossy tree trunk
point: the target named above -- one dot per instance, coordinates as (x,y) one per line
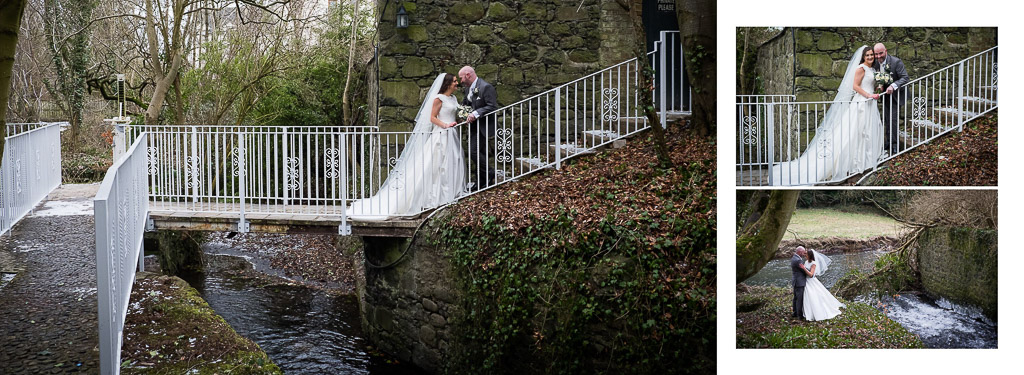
(10,24)
(646,97)
(697,34)
(767,216)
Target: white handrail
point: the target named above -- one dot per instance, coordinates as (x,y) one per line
(30,169)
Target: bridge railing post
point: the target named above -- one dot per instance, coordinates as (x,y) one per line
(243,225)
(345,229)
(558,129)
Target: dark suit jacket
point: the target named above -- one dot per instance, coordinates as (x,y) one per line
(899,74)
(799,277)
(485,100)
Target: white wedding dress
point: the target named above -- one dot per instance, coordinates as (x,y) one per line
(849,140)
(819,303)
(430,172)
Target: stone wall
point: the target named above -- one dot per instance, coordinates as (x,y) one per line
(960,265)
(819,56)
(406,308)
(522,47)
(774,66)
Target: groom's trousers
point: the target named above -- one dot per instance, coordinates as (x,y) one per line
(892,105)
(482,174)
(798,301)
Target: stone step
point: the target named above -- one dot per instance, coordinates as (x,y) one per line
(526,165)
(569,149)
(953,111)
(928,124)
(596,137)
(990,88)
(980,100)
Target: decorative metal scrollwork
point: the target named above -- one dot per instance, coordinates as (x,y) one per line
(397,177)
(995,66)
(151,160)
(333,163)
(920,108)
(238,161)
(17,176)
(504,145)
(825,145)
(610,107)
(192,172)
(291,173)
(750,126)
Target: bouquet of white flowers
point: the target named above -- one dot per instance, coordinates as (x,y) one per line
(463,113)
(882,80)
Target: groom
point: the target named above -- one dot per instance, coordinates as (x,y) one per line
(482,97)
(796,263)
(896,95)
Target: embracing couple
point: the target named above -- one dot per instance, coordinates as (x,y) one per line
(853,137)
(811,300)
(431,171)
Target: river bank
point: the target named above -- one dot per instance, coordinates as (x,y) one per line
(763,321)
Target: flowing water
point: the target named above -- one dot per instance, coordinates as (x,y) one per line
(302,329)
(939,324)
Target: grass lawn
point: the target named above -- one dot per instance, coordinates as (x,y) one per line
(822,223)
(768,325)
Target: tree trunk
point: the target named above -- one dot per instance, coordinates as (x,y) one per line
(10,23)
(760,234)
(743,62)
(179,106)
(697,31)
(646,97)
(346,105)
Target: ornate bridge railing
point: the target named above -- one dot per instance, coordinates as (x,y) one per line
(121,207)
(29,171)
(773,128)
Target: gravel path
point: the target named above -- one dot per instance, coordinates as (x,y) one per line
(48,311)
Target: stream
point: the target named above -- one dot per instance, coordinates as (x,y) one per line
(939,323)
(302,329)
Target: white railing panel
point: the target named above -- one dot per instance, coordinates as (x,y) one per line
(121,208)
(29,171)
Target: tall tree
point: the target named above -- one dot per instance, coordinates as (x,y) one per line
(67,35)
(346,107)
(762,219)
(646,97)
(697,30)
(10,22)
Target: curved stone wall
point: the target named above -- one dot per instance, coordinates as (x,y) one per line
(960,265)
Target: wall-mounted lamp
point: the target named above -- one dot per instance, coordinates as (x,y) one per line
(401,18)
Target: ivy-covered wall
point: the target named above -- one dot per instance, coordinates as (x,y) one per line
(961,265)
(522,47)
(820,55)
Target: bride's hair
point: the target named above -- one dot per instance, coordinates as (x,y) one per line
(810,255)
(449,79)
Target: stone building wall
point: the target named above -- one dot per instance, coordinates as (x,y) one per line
(822,54)
(960,265)
(522,47)
(774,66)
(406,309)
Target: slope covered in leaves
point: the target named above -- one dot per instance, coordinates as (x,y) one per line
(967,158)
(605,266)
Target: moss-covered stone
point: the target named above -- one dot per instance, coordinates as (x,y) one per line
(570,14)
(516,33)
(462,13)
(804,40)
(489,72)
(468,53)
(499,12)
(583,56)
(554,57)
(559,29)
(403,48)
(527,53)
(416,33)
(388,67)
(498,53)
(813,64)
(403,93)
(508,94)
(415,67)
(830,41)
(534,10)
(480,34)
(511,77)
(571,42)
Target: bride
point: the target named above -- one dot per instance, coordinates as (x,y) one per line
(431,170)
(819,304)
(849,139)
